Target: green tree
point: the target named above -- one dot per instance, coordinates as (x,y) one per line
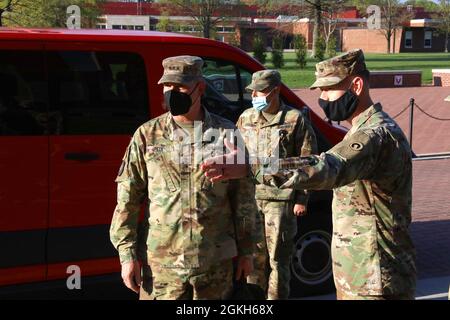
(277,51)
(50,13)
(206,13)
(300,50)
(4,7)
(443,20)
(320,50)
(330,47)
(259,49)
(165,24)
(313,9)
(234,41)
(393,16)
(428,5)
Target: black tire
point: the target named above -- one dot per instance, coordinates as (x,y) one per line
(311,266)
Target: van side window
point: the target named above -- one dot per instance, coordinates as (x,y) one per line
(225,91)
(97,92)
(23,93)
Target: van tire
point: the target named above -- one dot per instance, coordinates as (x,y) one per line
(311,265)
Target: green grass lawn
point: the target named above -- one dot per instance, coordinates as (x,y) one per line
(294,77)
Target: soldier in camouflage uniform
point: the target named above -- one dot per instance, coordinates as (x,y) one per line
(193,227)
(370,172)
(292,136)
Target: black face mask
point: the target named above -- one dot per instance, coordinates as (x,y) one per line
(342,108)
(178,102)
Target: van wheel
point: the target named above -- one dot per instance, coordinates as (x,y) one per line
(311,265)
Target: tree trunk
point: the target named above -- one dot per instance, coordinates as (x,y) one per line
(317,24)
(388,37)
(207,28)
(395,36)
(1,14)
(446,42)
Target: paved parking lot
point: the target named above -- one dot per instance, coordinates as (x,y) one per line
(429,135)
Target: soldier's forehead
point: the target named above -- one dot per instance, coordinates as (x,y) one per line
(178,85)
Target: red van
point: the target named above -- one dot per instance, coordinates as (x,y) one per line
(69,103)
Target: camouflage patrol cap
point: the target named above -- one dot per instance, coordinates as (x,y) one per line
(182,69)
(332,71)
(264,79)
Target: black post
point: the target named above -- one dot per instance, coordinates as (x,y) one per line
(411,120)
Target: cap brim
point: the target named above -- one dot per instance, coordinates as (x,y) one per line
(252,87)
(176,78)
(325,82)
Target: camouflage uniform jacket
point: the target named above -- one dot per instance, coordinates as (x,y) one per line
(371,174)
(193,223)
(293,137)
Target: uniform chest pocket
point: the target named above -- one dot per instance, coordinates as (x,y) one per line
(160,168)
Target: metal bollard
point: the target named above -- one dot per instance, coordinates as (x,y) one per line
(411,120)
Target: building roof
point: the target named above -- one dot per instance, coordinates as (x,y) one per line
(253,11)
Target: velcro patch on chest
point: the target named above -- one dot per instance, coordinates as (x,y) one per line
(249,127)
(156,149)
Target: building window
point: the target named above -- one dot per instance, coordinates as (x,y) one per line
(225,29)
(228,29)
(101,26)
(138,27)
(428,37)
(408,39)
(116,27)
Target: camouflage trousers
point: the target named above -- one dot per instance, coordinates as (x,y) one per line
(273,255)
(214,283)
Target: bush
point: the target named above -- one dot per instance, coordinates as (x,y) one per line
(277,52)
(259,49)
(320,49)
(234,41)
(331,47)
(300,50)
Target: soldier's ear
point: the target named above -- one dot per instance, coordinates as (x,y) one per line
(278,89)
(202,86)
(358,85)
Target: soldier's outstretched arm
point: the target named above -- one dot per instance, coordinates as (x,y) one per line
(349,160)
(131,192)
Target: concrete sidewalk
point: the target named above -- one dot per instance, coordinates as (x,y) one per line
(427,289)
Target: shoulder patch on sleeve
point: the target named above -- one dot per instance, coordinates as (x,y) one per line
(357,145)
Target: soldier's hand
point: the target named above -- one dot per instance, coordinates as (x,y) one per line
(299,209)
(131,275)
(226,166)
(244,267)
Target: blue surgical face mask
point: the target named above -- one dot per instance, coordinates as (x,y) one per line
(261,103)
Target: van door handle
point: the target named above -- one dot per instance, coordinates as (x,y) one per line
(82,156)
